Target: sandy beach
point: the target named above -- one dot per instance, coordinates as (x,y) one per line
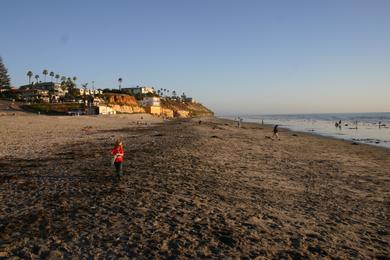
(190,190)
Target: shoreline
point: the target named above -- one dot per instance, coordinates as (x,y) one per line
(313,133)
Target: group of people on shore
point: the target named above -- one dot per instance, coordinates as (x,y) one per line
(275,130)
(338,124)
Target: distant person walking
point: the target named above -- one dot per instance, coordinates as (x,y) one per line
(275,131)
(239,120)
(117,160)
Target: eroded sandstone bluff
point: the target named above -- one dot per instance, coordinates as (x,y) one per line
(171,108)
(124,104)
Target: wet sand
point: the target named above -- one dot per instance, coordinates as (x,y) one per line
(189,190)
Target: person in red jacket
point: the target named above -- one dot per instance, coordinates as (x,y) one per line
(118,153)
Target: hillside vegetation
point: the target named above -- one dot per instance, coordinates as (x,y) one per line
(195,109)
(50,108)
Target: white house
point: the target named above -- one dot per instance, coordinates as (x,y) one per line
(150,102)
(89,92)
(138,90)
(106,110)
(97,101)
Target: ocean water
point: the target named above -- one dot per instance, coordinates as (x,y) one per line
(369,128)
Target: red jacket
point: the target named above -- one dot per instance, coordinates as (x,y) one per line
(117,150)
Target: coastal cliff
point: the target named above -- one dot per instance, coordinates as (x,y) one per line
(124,100)
(169,108)
(124,104)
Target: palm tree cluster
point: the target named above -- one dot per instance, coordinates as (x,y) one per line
(53,76)
(165,93)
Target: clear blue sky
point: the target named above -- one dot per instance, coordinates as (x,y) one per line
(236,57)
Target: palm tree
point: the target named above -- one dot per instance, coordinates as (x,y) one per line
(57,77)
(63,78)
(51,75)
(74,80)
(120,83)
(84,86)
(37,77)
(45,72)
(29,75)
